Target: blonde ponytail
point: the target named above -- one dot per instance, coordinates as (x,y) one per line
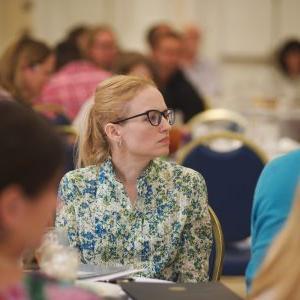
(92,143)
(111,98)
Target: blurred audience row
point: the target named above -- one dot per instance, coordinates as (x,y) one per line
(59,81)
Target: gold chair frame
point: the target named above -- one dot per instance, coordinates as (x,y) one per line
(219,245)
(217,114)
(218,135)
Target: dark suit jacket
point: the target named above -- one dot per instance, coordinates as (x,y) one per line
(180,95)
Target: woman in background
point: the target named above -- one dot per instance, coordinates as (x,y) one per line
(279,276)
(127,206)
(30,169)
(128,63)
(287,77)
(24,69)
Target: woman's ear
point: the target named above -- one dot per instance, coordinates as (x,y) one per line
(113,132)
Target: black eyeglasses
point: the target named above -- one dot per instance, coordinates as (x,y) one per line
(154,117)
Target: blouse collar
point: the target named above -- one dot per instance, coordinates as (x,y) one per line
(107,171)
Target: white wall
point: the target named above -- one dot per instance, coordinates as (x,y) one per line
(15,18)
(53,18)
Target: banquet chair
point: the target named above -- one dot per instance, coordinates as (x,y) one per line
(69,136)
(231,177)
(217,255)
(218,119)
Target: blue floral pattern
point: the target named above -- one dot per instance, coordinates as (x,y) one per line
(167,231)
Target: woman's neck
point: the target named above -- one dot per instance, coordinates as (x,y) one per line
(128,170)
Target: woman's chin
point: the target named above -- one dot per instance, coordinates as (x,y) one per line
(163,152)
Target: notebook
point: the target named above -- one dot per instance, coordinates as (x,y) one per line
(186,291)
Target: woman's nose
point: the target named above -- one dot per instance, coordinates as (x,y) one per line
(164,125)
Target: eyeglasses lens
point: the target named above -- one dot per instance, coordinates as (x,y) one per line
(154,117)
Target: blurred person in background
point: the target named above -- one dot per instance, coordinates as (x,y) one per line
(286,83)
(102,47)
(273,200)
(79,35)
(30,170)
(76,82)
(279,275)
(199,71)
(73,47)
(136,64)
(124,205)
(155,31)
(177,90)
(25,67)
(127,63)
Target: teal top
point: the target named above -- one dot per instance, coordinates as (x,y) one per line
(273,198)
(167,232)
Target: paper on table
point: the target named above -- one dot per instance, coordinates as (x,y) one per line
(104,273)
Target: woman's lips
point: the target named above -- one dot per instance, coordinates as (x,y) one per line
(165,140)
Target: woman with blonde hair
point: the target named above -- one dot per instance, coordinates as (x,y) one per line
(126,205)
(25,67)
(279,276)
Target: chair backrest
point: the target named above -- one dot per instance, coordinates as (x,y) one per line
(217,255)
(231,178)
(69,135)
(216,119)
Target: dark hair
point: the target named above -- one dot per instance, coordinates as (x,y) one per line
(69,50)
(166,35)
(65,53)
(154,32)
(128,60)
(290,46)
(31,151)
(76,32)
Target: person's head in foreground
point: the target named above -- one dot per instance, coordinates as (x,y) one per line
(278,278)
(31,166)
(129,120)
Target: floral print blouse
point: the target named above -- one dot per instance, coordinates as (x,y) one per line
(167,231)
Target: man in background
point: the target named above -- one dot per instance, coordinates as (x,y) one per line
(177,90)
(202,73)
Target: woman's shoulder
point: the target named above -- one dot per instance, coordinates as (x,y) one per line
(54,289)
(82,174)
(176,171)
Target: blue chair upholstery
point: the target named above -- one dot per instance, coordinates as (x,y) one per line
(69,136)
(231,178)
